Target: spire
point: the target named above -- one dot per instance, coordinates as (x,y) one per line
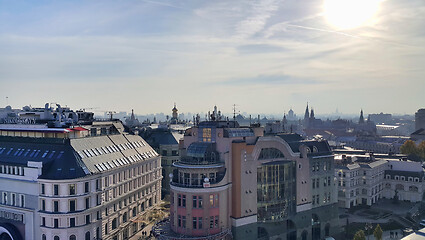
(361,119)
(306,115)
(132,115)
(312,114)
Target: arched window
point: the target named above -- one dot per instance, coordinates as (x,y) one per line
(43,237)
(56,238)
(270,153)
(114,223)
(72,237)
(134,212)
(87,236)
(124,217)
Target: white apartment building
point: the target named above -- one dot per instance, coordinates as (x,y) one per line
(86,182)
(365,180)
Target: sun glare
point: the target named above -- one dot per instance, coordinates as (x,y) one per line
(348,14)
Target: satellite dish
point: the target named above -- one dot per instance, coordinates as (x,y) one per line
(207,180)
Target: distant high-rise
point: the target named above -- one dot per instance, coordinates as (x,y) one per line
(420,119)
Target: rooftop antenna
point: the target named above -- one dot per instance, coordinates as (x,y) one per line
(7,101)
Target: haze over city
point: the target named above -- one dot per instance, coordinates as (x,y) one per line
(264,56)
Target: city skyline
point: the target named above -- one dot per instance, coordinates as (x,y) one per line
(266,56)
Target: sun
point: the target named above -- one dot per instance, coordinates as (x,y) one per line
(348,14)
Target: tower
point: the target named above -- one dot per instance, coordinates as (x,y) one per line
(175,115)
(306,115)
(361,119)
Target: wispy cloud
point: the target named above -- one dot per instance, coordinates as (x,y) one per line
(269,80)
(259,13)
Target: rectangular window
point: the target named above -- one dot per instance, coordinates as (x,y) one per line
(43,221)
(211,200)
(13,199)
(72,222)
(55,189)
(87,219)
(55,206)
(71,189)
(183,221)
(183,200)
(179,220)
(199,201)
(86,187)
(72,205)
(194,202)
(87,203)
(216,222)
(200,223)
(43,205)
(194,222)
(22,201)
(56,223)
(43,189)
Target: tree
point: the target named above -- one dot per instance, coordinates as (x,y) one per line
(378,232)
(359,235)
(421,150)
(409,147)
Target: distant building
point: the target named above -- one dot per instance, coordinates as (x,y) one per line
(175,116)
(236,182)
(291,115)
(418,136)
(166,142)
(380,118)
(420,119)
(132,121)
(81,180)
(364,179)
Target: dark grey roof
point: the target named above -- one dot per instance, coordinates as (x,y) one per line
(322,147)
(75,158)
(291,137)
(420,131)
(295,141)
(58,157)
(161,137)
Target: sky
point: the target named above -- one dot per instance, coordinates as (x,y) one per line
(263,56)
